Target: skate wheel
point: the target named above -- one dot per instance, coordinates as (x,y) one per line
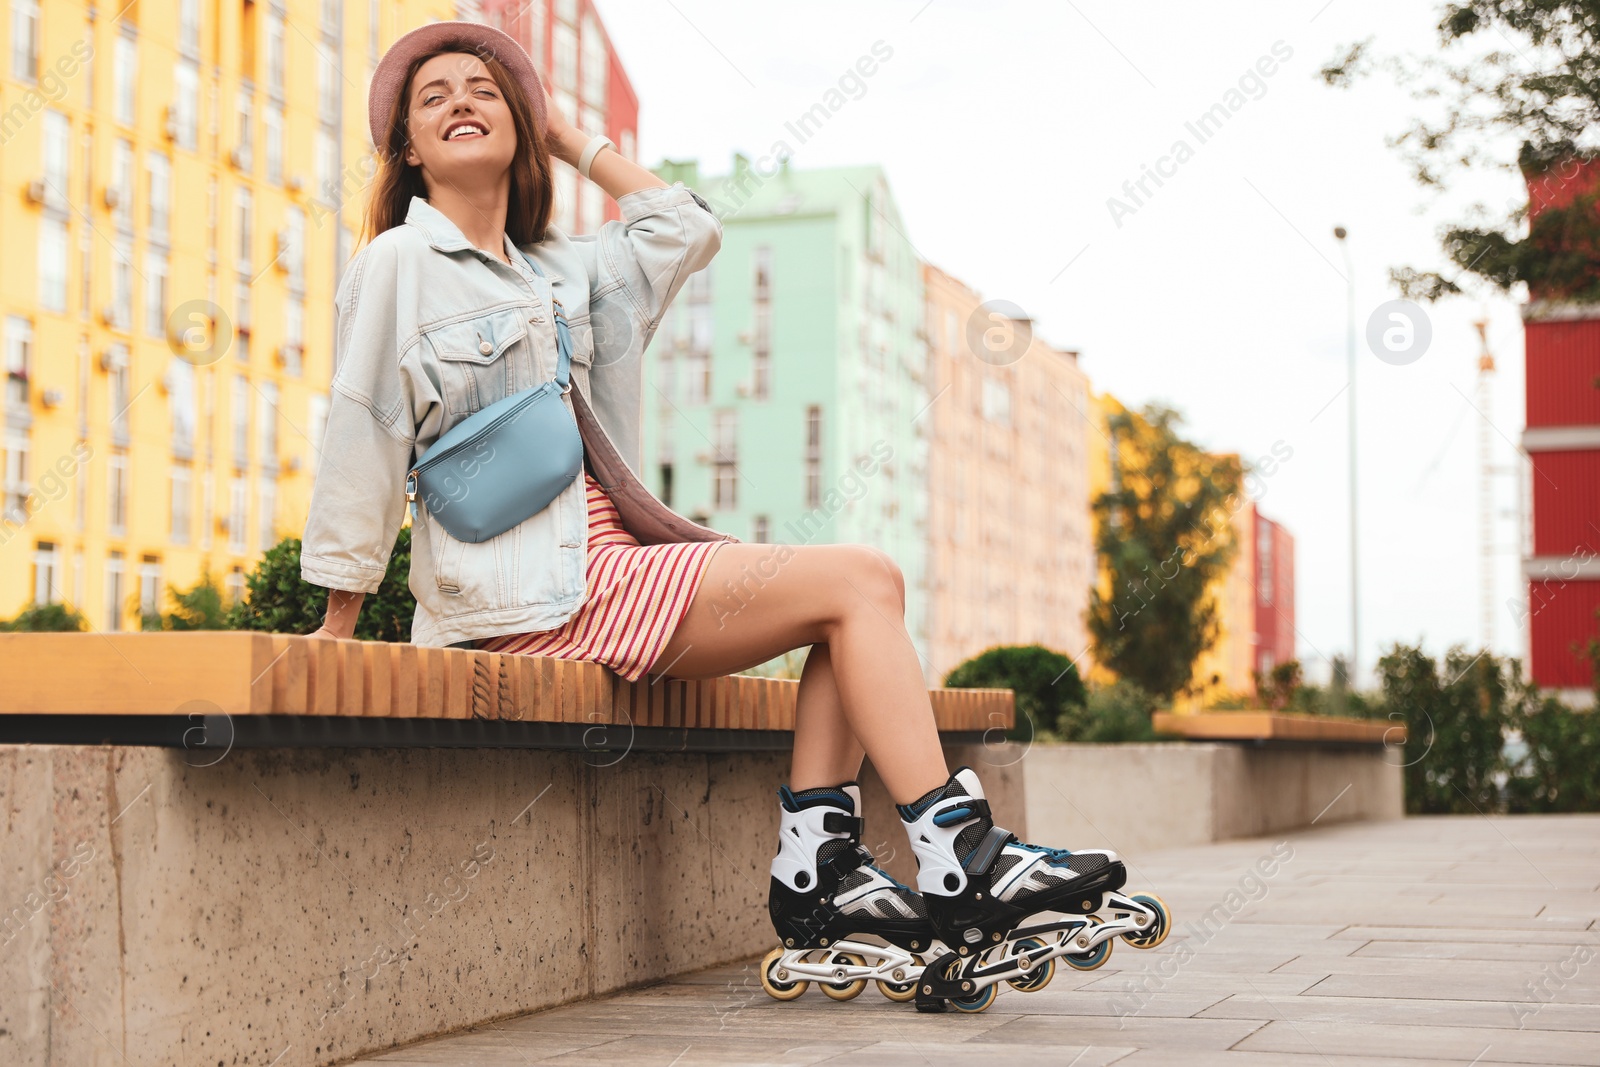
(979,1001)
(900,992)
(778,988)
(1163,925)
(1039,974)
(1094,957)
(848,990)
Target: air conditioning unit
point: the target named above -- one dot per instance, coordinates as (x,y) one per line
(295,183)
(112,197)
(36,191)
(51,398)
(236,159)
(169,122)
(282,250)
(292,464)
(743,388)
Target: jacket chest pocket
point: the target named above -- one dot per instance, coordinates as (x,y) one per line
(582,331)
(483,360)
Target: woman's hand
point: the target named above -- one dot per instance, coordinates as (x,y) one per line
(564,141)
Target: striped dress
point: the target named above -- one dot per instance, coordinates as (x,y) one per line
(637,594)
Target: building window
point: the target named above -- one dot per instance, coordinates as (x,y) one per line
(182,499)
(189,28)
(275,54)
(266,512)
(327,87)
(122,182)
(46,573)
(244,230)
(272,125)
(294,319)
(150,586)
(185,112)
(53,251)
(56,149)
(19,361)
(813,456)
(596,64)
(760,530)
(725,440)
(317,427)
(125,59)
(25,40)
(238,505)
(666,484)
(246,108)
(121,391)
(114,605)
(1264,562)
(117,493)
(235,586)
(158,171)
(294,247)
(180,401)
(761,354)
(15,500)
(565,40)
(267,425)
(591,208)
(996,401)
(761,269)
(155,293)
(241,420)
(329,185)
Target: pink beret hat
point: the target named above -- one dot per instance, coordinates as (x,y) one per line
(388,79)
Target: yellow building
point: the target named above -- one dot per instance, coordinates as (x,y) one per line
(1010,556)
(184,183)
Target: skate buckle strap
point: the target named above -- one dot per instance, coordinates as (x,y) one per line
(837,822)
(961,809)
(980,859)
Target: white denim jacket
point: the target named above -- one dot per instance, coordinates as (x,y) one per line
(432,329)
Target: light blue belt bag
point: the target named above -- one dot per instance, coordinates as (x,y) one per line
(504,464)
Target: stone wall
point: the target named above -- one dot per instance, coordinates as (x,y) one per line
(1137,797)
(302,906)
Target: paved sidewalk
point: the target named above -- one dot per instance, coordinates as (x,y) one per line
(1431,941)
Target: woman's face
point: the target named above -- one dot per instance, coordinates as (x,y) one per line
(459,124)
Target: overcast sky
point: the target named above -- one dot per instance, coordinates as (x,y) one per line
(1005,131)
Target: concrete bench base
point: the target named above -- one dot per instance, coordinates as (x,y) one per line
(302,906)
(1137,797)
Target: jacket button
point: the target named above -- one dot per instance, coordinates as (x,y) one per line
(485,347)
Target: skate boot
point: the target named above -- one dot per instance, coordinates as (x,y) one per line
(831,906)
(1005,910)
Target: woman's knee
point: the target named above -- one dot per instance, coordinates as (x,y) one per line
(873,574)
(892,568)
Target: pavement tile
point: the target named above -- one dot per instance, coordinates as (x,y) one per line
(1463,1045)
(1363,1011)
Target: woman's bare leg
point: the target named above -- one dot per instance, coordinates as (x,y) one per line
(864,693)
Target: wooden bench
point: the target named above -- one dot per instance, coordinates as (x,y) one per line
(200,689)
(1276,726)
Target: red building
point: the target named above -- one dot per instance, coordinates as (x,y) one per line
(1563,443)
(1272,563)
(569,45)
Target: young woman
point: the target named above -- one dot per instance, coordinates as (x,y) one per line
(441,314)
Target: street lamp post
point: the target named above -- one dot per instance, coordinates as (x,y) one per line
(1340,233)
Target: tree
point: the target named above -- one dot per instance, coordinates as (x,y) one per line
(1049,693)
(279,601)
(1539,83)
(1163,532)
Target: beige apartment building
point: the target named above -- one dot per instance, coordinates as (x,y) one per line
(1010,554)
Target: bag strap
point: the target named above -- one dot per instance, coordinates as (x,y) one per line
(563,333)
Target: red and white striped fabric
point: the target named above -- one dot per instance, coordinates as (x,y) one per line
(637,595)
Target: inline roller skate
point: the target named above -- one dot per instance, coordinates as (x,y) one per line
(1005,911)
(830,906)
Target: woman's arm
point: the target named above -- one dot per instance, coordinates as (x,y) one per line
(610,170)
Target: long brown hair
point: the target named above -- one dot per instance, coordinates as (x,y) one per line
(528,206)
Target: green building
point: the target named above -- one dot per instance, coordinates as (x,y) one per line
(784,399)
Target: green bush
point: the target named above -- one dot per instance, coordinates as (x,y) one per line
(46,618)
(278,601)
(1463,721)
(200,608)
(1119,712)
(1049,693)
